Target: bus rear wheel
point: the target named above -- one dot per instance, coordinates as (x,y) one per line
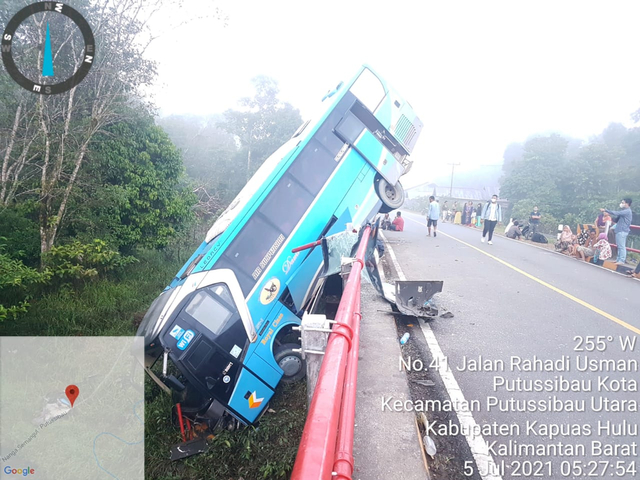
(291,362)
(392,196)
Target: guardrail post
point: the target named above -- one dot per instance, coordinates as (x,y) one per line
(314,334)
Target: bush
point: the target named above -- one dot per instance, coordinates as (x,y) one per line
(15,278)
(76,260)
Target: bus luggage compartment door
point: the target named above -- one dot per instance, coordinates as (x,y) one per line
(250,396)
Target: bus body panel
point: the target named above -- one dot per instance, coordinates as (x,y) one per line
(266,345)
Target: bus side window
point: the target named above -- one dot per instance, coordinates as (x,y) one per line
(286,204)
(313,166)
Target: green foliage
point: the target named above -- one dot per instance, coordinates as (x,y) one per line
(107,305)
(570,182)
(20,233)
(133,191)
(266,452)
(539,174)
(262,124)
(15,278)
(76,261)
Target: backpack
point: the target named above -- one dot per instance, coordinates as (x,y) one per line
(539,238)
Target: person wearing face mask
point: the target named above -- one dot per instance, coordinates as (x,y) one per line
(623,226)
(534,219)
(491,214)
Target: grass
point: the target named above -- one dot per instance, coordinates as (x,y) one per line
(265,452)
(110,307)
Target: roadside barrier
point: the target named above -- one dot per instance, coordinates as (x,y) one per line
(326,447)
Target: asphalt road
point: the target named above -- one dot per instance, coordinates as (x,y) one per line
(528,302)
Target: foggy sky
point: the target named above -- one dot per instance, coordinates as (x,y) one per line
(479,74)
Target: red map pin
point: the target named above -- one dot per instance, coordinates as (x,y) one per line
(72,393)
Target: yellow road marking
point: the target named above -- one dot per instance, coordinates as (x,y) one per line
(543,283)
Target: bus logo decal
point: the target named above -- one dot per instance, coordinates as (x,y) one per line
(270,291)
(255,402)
(177,332)
(288,263)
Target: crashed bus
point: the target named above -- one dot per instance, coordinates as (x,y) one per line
(222,330)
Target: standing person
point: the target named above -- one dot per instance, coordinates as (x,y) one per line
(445,211)
(534,219)
(468,208)
(457,219)
(398,223)
(492,214)
(433,215)
(623,226)
(479,215)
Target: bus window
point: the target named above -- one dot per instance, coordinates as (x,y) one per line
(209,310)
(257,242)
(286,204)
(313,166)
(350,128)
(369,90)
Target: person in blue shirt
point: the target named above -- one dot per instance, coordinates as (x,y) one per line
(433,215)
(623,226)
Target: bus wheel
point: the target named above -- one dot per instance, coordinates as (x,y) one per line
(392,196)
(291,362)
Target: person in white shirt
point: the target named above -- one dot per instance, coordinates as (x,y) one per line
(492,214)
(433,216)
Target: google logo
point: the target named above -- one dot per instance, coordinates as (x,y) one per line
(19,471)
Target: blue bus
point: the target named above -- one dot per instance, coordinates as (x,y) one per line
(223,327)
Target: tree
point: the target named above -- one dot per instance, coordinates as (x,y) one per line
(540,173)
(209,155)
(262,124)
(133,191)
(512,155)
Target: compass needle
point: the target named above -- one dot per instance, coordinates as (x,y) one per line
(47,62)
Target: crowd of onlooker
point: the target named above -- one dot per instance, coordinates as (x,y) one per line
(610,226)
(592,242)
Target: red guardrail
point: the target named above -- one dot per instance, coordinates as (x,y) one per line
(327,440)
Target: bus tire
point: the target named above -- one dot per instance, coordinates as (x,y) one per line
(291,362)
(392,196)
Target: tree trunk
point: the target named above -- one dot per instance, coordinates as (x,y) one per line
(5,164)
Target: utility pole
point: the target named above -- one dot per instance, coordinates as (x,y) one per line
(453,166)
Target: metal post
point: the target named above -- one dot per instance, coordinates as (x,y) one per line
(314,334)
(453,165)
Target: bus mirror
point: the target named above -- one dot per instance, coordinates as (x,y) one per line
(174,383)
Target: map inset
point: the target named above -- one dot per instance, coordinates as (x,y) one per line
(72,408)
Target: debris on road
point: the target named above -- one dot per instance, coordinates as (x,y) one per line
(426,383)
(430,446)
